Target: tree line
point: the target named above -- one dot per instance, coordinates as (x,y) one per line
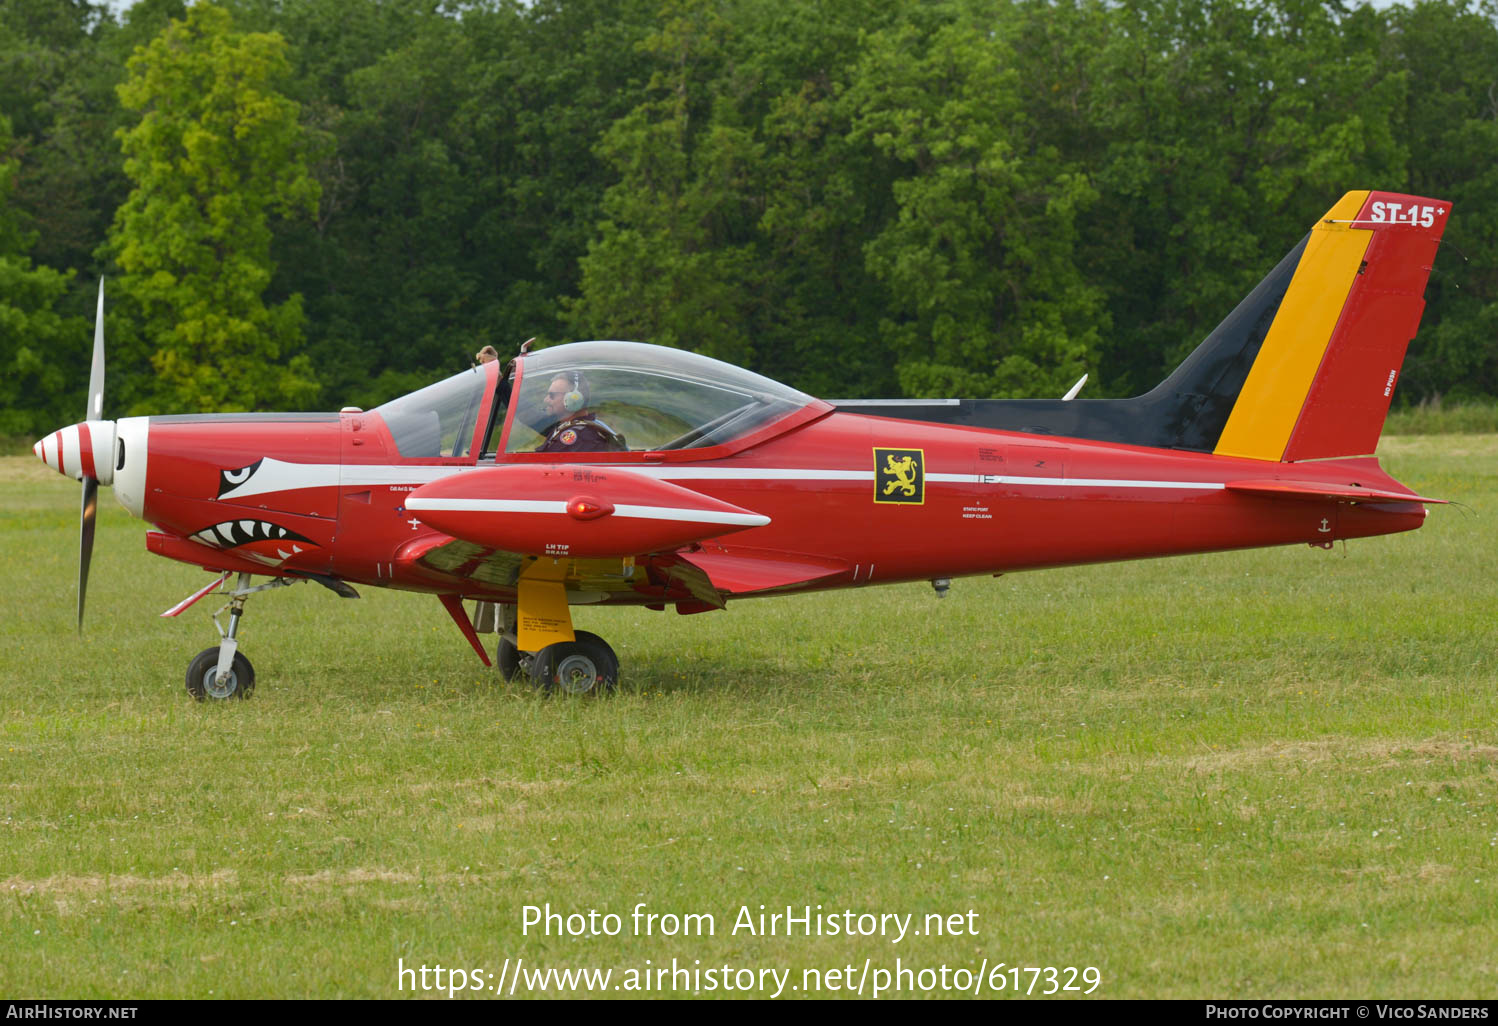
(308,203)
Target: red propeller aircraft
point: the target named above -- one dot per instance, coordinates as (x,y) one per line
(621,473)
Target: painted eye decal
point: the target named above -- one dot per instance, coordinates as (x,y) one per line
(228,480)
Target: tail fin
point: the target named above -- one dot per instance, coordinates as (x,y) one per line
(1321,382)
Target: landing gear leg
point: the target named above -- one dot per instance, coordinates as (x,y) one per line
(509,658)
(222,672)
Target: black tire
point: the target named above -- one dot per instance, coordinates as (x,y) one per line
(204,668)
(510,661)
(587,666)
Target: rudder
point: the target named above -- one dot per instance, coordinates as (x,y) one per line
(1321,383)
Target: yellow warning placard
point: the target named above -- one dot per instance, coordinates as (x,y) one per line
(541,615)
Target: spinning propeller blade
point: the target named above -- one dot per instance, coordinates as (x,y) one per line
(96,372)
(90,509)
(86,540)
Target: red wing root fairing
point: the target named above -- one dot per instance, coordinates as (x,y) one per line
(718,483)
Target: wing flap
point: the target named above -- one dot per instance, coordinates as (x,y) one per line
(744,571)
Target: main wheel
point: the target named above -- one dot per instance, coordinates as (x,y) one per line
(202,676)
(582,667)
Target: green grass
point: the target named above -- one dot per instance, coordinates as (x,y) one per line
(1263,774)
(1476,416)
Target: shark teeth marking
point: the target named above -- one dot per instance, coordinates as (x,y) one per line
(231,534)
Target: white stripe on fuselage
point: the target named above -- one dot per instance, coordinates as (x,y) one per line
(1077,482)
(274,475)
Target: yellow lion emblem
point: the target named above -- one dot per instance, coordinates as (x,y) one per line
(902,471)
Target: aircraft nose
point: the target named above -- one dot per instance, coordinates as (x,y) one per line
(72,451)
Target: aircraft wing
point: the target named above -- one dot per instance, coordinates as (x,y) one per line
(703,579)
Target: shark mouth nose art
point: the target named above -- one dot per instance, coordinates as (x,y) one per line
(260,540)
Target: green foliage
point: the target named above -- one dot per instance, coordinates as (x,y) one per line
(1451,117)
(39,347)
(980,257)
(674,259)
(985,197)
(217,152)
(1224,129)
(40,350)
(1435,417)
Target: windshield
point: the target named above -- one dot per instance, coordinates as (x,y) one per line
(617,396)
(438,419)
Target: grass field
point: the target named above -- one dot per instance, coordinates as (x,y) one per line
(1264,774)
(1437,418)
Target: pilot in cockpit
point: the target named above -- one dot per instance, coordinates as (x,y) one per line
(576,428)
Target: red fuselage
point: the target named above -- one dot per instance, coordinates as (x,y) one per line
(329,497)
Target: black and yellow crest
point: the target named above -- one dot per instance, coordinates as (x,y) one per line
(900,476)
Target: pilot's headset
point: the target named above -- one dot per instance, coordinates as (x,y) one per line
(577,398)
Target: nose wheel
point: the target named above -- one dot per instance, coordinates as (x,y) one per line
(203,679)
(223,672)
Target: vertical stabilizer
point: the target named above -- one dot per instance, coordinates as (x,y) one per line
(1321,382)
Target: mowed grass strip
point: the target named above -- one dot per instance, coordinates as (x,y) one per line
(1268,773)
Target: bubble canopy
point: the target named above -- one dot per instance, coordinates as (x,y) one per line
(653,397)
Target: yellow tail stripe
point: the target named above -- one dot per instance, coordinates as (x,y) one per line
(1269,405)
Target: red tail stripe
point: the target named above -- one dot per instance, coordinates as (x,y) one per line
(1349,397)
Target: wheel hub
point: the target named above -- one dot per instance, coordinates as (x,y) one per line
(216,690)
(576,674)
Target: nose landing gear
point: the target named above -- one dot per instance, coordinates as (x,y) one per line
(204,680)
(223,672)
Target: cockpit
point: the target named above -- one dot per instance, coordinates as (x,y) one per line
(654,399)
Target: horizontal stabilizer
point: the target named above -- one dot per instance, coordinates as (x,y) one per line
(1325,490)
